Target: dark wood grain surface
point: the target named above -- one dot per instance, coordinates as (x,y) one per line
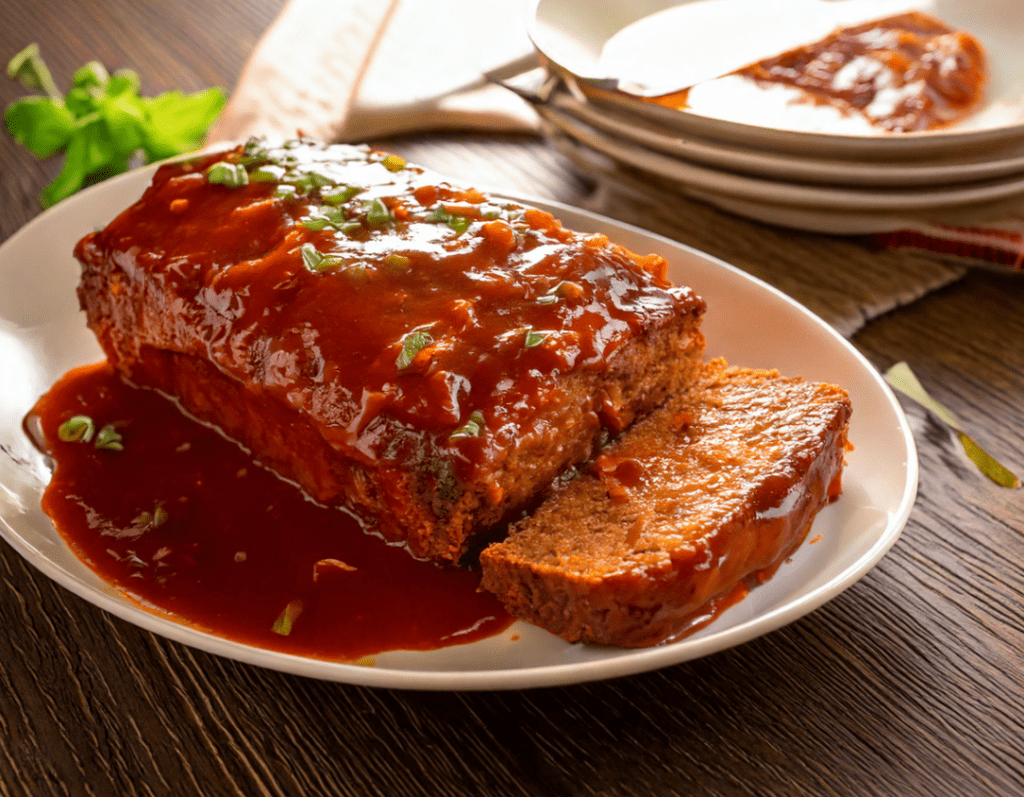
(909,683)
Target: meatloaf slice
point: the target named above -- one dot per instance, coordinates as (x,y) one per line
(718,485)
(422,354)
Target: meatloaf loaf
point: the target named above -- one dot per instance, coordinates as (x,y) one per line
(717,486)
(422,354)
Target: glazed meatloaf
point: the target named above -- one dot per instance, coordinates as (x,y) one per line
(422,354)
(716,487)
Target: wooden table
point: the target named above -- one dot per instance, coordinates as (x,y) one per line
(909,683)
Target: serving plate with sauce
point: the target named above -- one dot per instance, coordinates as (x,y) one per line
(687,44)
(43,335)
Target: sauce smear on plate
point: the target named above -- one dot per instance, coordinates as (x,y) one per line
(905,73)
(183,522)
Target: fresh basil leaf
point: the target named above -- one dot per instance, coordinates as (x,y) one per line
(178,122)
(124,81)
(126,120)
(92,74)
(100,147)
(102,122)
(40,124)
(82,102)
(72,175)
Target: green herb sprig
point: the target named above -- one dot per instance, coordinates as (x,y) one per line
(102,124)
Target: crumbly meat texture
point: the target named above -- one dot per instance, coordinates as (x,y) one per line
(717,486)
(417,352)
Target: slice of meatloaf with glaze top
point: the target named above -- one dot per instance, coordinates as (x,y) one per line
(416,351)
(718,485)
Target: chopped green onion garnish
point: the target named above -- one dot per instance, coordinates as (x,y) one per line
(439,215)
(397,262)
(413,344)
(459,223)
(534,338)
(393,163)
(318,180)
(286,619)
(547,298)
(285,192)
(349,227)
(358,273)
(311,258)
(233,175)
(266,174)
(307,181)
(316,261)
(319,218)
(254,148)
(341,194)
(314,222)
(151,520)
(471,428)
(78,429)
(377,213)
(109,439)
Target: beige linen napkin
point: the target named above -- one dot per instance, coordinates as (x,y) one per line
(340,70)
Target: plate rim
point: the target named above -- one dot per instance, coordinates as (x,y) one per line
(631,662)
(769,164)
(727,183)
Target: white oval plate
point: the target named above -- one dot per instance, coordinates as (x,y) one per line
(780,192)
(42,334)
(763,163)
(571,37)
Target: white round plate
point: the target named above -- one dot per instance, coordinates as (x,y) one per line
(571,36)
(778,192)
(789,167)
(42,334)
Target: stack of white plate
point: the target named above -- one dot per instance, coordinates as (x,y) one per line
(804,171)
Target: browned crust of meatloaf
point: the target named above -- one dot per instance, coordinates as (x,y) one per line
(720,484)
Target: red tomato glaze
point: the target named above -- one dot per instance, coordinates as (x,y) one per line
(183,522)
